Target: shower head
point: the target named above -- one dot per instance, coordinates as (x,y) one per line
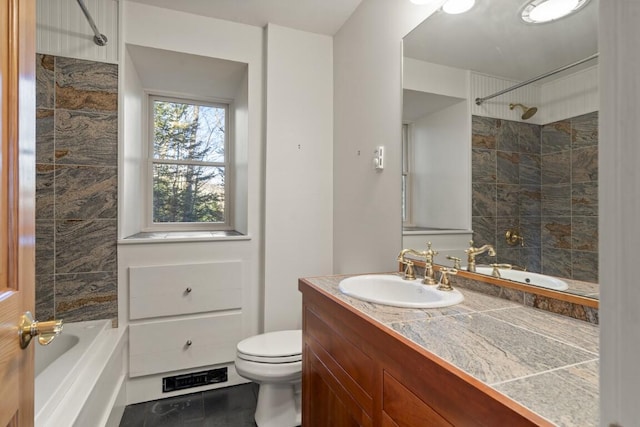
(527,112)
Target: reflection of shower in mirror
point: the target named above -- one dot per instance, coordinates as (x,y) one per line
(527,112)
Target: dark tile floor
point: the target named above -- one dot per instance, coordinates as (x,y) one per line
(223,407)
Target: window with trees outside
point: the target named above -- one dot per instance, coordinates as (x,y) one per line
(189,164)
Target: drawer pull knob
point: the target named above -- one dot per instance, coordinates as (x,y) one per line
(189,343)
(188,290)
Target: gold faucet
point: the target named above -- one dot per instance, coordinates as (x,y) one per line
(496,269)
(428,255)
(473,252)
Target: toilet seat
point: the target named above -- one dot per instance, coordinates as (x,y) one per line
(272,347)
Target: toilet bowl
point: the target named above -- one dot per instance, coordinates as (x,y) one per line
(274,361)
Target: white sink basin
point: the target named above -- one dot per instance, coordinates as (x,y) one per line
(395,291)
(527,277)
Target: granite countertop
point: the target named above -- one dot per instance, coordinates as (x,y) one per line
(544,361)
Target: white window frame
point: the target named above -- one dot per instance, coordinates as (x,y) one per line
(227,164)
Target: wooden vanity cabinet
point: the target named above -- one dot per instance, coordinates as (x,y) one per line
(356,372)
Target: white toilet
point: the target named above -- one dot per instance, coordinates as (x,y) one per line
(274,361)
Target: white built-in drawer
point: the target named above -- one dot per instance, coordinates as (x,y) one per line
(184,289)
(162,345)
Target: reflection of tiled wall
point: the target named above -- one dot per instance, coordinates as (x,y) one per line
(541,180)
(506,188)
(76,189)
(570,198)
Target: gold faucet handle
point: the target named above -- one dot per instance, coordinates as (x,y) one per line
(445,284)
(512,237)
(496,268)
(409,272)
(456,261)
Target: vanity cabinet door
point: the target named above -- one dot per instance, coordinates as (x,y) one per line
(402,408)
(326,401)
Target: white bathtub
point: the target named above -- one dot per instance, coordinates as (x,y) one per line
(85,361)
(527,277)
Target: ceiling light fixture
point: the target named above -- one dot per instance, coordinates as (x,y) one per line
(540,11)
(454,7)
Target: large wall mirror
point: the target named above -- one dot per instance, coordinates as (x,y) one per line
(522,164)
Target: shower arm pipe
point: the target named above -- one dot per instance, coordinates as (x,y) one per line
(479,101)
(98,38)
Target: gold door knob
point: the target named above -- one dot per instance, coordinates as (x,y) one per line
(29,328)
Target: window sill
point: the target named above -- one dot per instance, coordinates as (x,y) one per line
(182,237)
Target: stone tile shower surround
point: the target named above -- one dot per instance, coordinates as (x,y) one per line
(76,189)
(543,181)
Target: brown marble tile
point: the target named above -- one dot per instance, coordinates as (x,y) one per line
(508,294)
(45,196)
(44,135)
(585,266)
(45,247)
(555,137)
(86,296)
(483,166)
(85,192)
(530,200)
(484,229)
(484,132)
(530,228)
(484,200)
(530,169)
(510,255)
(564,308)
(584,198)
(86,85)
(584,130)
(556,200)
(531,258)
(584,164)
(86,138)
(86,246)
(44,81)
(507,167)
(584,233)
(72,99)
(529,138)
(507,136)
(45,299)
(507,200)
(556,262)
(556,168)
(556,232)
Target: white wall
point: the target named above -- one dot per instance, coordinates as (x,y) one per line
(619,194)
(434,78)
(63,30)
(131,154)
(441,172)
(570,96)
(241,156)
(498,107)
(367,114)
(180,32)
(298,184)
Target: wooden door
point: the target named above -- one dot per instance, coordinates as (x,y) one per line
(17,203)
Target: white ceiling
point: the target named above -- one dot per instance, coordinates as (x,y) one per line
(316,16)
(492,39)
